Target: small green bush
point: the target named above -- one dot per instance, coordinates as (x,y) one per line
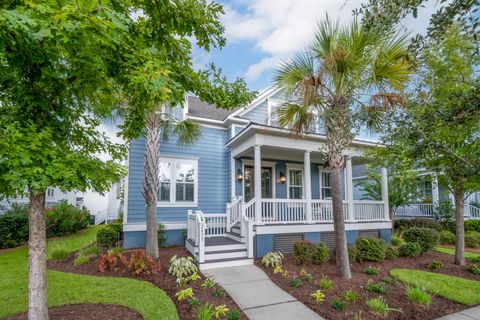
(307,252)
(391,252)
(296,282)
(272,259)
(326,283)
(59,254)
(14,226)
(380,306)
(404,224)
(233,314)
(427,238)
(474,269)
(472,239)
(417,295)
(475,259)
(81,260)
(435,265)
(444,213)
(352,253)
(390,280)
(472,225)
(396,241)
(117,226)
(446,237)
(107,237)
(182,267)
(372,271)
(338,304)
(161,234)
(370,249)
(376,287)
(350,295)
(409,249)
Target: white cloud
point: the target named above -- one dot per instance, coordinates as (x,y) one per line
(279,28)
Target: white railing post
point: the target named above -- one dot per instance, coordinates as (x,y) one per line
(249,239)
(201,236)
(384,179)
(258,184)
(229,210)
(308,187)
(350,214)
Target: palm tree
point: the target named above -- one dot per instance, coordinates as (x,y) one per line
(329,81)
(158,124)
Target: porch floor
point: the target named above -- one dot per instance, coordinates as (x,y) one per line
(219,241)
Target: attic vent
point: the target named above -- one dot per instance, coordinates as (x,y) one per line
(369,234)
(328,238)
(284,242)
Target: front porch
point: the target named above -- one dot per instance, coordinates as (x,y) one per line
(281,185)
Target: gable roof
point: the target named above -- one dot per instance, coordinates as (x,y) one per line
(201,109)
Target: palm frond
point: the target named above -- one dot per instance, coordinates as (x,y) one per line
(295,117)
(295,72)
(188,131)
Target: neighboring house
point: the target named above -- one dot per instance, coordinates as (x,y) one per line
(248,187)
(52,197)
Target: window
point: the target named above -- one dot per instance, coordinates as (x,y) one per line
(50,192)
(295,183)
(266,183)
(325,185)
(178,182)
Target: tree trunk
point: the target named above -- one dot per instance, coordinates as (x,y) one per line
(151,181)
(37,282)
(341,252)
(459,228)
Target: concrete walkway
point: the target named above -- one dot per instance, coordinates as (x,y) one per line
(258,296)
(467,314)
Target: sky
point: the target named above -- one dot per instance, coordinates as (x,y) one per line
(263,33)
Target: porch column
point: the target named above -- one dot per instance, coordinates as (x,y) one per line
(385,194)
(232,177)
(435,192)
(257,177)
(350,216)
(308,187)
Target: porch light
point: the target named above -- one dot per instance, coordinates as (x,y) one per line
(283,179)
(239,175)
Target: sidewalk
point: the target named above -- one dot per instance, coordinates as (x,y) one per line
(467,314)
(258,296)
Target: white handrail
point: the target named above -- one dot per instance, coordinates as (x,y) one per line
(416,210)
(234,212)
(200,239)
(249,209)
(216,224)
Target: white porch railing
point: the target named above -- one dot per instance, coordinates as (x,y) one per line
(234,212)
(416,210)
(283,211)
(471,212)
(368,210)
(106,215)
(196,229)
(216,225)
(249,208)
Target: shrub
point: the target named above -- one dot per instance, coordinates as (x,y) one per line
(91,251)
(220,311)
(444,213)
(218,293)
(370,249)
(140,263)
(193,302)
(396,241)
(403,224)
(390,280)
(427,238)
(391,252)
(372,271)
(233,314)
(81,260)
(376,287)
(472,239)
(325,283)
(352,253)
(117,250)
(182,267)
(107,261)
(379,305)
(107,237)
(208,283)
(64,218)
(409,249)
(350,295)
(303,251)
(307,277)
(272,259)
(435,265)
(338,304)
(320,253)
(475,269)
(161,234)
(117,226)
(475,259)
(472,225)
(205,312)
(296,282)
(417,295)
(318,296)
(446,237)
(14,226)
(184,294)
(59,254)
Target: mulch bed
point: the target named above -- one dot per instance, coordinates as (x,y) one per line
(163,280)
(395,295)
(88,312)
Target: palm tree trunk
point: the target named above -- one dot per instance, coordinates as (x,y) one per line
(341,252)
(37,282)
(151,181)
(459,228)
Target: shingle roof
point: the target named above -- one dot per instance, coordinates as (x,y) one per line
(201,109)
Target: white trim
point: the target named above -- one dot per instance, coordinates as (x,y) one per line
(125,191)
(142,226)
(173,174)
(320,181)
(258,100)
(296,167)
(249,162)
(324,227)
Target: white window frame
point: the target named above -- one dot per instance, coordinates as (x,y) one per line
(265,164)
(296,167)
(50,192)
(322,170)
(173,182)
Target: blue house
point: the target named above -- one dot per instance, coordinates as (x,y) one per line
(248,187)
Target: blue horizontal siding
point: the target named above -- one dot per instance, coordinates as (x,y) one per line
(259,114)
(213,175)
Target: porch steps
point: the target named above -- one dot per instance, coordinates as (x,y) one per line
(235,233)
(221,252)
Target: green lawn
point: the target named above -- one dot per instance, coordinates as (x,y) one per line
(460,290)
(67,288)
(451,251)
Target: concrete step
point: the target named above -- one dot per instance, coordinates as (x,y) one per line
(224,263)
